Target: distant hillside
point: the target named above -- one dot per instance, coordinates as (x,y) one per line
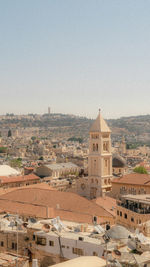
(134,128)
(134,124)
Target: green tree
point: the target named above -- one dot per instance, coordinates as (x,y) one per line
(16,163)
(9,133)
(140,169)
(3,149)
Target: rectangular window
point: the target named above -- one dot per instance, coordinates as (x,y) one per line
(77,251)
(2,243)
(51,243)
(14,246)
(41,241)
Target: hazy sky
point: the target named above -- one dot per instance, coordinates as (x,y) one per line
(75,56)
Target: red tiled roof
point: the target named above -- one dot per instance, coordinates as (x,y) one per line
(108,203)
(14,179)
(68,205)
(133,178)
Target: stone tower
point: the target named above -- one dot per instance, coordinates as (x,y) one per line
(100,158)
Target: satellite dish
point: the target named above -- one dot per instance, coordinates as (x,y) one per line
(32,220)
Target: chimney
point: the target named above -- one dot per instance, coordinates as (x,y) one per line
(34,263)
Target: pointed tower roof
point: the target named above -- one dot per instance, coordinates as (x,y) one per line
(100,125)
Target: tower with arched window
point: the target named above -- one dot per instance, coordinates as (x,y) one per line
(100,158)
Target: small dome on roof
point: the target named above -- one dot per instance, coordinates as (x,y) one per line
(118,161)
(118,232)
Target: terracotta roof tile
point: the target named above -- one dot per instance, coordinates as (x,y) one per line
(66,204)
(108,203)
(14,179)
(133,178)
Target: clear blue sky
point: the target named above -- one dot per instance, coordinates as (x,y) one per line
(75,56)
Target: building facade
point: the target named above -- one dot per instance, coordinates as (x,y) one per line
(99,161)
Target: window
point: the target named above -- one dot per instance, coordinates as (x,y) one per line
(51,243)
(2,243)
(95,253)
(105,146)
(33,237)
(96,147)
(77,251)
(67,247)
(132,219)
(95,219)
(125,216)
(120,213)
(41,241)
(14,246)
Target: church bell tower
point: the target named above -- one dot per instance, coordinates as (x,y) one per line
(100,158)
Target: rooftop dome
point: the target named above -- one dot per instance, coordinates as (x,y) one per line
(118,232)
(118,161)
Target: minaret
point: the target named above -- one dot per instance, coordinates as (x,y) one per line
(100,158)
(123,146)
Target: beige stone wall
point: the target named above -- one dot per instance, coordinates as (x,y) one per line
(138,189)
(132,219)
(10,238)
(19,184)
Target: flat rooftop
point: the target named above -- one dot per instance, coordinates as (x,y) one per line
(145,198)
(71,235)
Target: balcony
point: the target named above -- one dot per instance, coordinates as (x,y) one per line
(135,207)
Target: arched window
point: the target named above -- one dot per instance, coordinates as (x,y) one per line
(96,147)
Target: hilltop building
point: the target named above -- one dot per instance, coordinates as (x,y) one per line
(99,161)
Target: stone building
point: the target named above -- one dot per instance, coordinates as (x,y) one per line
(133,183)
(99,162)
(57,170)
(133,210)
(18,181)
